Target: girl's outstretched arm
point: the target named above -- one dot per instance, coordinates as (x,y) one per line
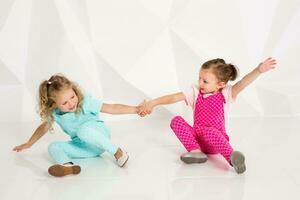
(119,109)
(265,66)
(163,100)
(38,133)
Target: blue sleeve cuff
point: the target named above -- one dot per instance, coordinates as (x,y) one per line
(92,105)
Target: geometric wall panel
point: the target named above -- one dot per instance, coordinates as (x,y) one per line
(127,51)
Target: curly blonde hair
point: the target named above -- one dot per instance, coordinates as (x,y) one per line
(47,91)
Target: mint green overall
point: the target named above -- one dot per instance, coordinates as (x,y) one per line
(89,136)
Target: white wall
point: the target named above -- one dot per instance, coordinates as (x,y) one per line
(125,51)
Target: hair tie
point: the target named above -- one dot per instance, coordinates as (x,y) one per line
(49,82)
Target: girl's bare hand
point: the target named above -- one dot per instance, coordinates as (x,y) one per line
(267,65)
(21,147)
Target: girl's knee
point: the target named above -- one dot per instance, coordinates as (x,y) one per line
(175,120)
(90,134)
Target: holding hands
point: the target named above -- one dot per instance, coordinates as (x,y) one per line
(145,108)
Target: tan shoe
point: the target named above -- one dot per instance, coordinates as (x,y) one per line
(63,170)
(193,157)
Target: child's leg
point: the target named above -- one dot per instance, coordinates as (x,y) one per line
(184,133)
(98,135)
(213,141)
(64,152)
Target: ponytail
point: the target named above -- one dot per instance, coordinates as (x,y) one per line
(234,72)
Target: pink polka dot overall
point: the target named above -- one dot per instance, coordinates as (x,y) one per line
(208,133)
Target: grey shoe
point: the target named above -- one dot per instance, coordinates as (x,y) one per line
(193,157)
(238,162)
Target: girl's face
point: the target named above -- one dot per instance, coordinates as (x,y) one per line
(208,82)
(66,100)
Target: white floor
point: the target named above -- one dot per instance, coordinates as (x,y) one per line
(154,171)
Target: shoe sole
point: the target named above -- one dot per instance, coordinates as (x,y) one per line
(191,160)
(60,170)
(238,162)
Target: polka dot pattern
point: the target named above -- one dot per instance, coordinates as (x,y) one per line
(208,132)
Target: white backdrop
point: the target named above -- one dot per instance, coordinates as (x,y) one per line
(126,51)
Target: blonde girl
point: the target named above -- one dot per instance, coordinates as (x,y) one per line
(62,101)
